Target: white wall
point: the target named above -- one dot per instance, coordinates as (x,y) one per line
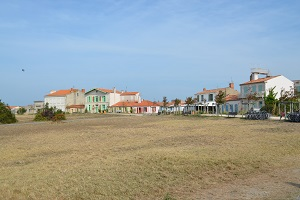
(280,82)
(113,98)
(58,102)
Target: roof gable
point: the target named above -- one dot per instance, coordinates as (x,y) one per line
(104,90)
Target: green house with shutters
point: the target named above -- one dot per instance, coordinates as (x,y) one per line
(98,100)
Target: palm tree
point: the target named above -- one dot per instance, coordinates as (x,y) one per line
(176,103)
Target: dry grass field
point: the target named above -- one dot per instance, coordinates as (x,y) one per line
(149,157)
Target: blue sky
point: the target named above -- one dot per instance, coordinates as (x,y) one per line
(170,48)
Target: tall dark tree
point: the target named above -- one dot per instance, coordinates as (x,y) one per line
(220,99)
(165,103)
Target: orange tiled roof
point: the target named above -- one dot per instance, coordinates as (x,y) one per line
(129,93)
(260,80)
(135,104)
(62,92)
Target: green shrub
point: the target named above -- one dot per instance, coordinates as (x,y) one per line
(49,113)
(21,111)
(40,117)
(6,117)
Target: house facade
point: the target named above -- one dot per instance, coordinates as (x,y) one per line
(142,107)
(100,99)
(206,99)
(130,97)
(61,99)
(233,104)
(261,87)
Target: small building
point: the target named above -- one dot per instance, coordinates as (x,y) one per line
(37,105)
(142,107)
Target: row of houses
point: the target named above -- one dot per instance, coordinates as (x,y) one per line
(99,100)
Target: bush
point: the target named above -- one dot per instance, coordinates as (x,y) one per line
(47,113)
(6,117)
(59,117)
(21,111)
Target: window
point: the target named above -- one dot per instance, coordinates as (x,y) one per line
(96,99)
(103,98)
(211,97)
(260,104)
(246,89)
(298,88)
(253,88)
(103,107)
(202,97)
(260,88)
(89,108)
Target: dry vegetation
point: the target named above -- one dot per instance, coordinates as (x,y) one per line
(150,157)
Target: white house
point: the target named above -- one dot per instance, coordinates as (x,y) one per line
(261,87)
(62,98)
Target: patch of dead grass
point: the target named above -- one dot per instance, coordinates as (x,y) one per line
(132,157)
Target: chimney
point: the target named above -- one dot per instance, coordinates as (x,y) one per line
(114,90)
(231,85)
(52,91)
(204,89)
(83,90)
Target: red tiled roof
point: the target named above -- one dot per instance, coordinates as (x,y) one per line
(231,98)
(129,93)
(260,80)
(62,92)
(135,104)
